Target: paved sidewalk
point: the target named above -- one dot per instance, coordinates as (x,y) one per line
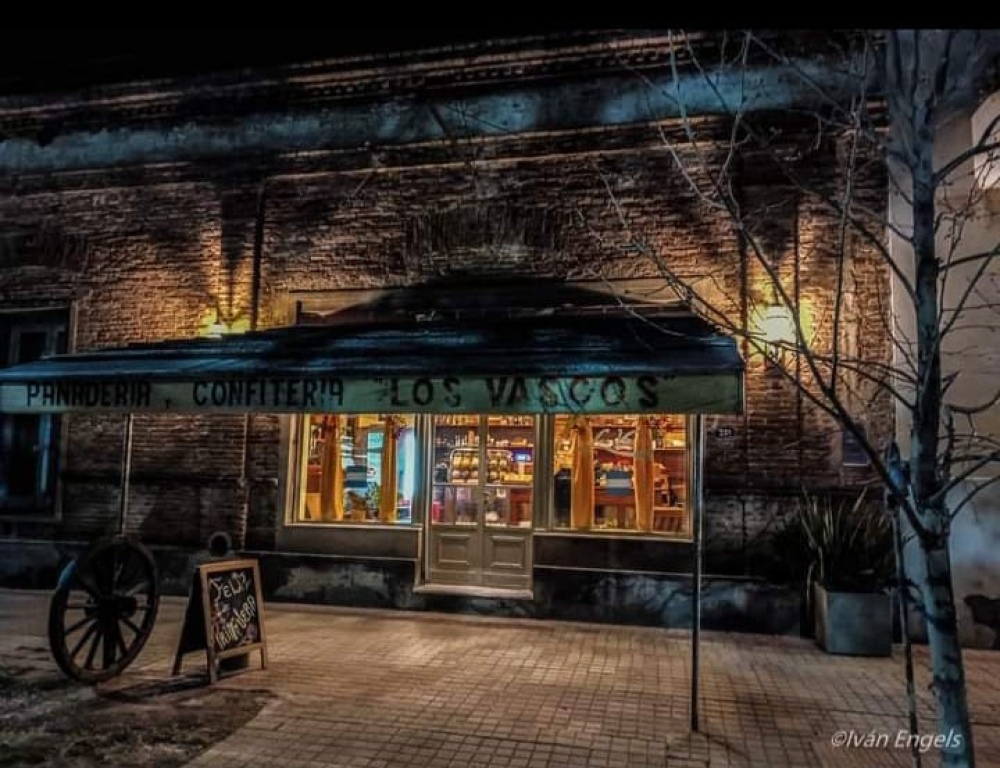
(378,689)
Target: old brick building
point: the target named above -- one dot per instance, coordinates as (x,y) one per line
(137,212)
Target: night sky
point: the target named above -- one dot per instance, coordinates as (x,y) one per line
(69,59)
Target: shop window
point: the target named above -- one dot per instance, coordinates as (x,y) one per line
(357,469)
(621,474)
(29,444)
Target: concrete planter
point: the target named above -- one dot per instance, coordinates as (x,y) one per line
(853,623)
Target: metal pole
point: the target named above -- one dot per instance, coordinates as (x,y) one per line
(126,473)
(699,452)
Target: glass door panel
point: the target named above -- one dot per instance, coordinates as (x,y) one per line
(455,496)
(510,469)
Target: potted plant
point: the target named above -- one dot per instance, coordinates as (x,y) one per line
(851,566)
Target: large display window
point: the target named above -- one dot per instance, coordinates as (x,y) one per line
(621,474)
(357,469)
(603,474)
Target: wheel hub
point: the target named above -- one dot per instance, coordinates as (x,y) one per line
(117,606)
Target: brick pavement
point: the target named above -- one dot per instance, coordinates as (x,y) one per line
(376,689)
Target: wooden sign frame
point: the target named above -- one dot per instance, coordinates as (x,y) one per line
(196,631)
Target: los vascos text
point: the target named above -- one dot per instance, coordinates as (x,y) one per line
(422,393)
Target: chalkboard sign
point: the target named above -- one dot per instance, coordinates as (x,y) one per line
(225,614)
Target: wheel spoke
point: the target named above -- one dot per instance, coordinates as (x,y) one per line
(120,640)
(110,644)
(119,565)
(146,583)
(107,571)
(100,578)
(89,664)
(86,636)
(77,625)
(128,623)
(132,570)
(90,588)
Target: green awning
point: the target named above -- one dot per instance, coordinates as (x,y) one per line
(618,361)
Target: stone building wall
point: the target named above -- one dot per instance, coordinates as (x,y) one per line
(168,247)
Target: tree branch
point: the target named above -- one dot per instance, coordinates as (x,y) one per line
(975,491)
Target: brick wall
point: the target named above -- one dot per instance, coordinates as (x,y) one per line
(163,257)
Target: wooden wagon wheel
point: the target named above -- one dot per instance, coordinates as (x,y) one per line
(103,610)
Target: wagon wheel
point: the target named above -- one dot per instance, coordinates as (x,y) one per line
(103,610)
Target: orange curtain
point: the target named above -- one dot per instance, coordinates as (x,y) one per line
(331,497)
(582,482)
(387,497)
(642,475)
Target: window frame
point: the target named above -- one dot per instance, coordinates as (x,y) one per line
(295,439)
(49,508)
(549,527)
(297,471)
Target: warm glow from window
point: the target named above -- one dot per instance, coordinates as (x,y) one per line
(357,468)
(621,474)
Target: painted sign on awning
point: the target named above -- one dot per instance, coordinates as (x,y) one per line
(691,393)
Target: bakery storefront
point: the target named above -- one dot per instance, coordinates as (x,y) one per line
(476,452)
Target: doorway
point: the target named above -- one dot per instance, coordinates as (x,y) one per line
(481,501)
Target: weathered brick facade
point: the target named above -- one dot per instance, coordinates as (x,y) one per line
(167,244)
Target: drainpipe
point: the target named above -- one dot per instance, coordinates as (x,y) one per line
(258,248)
(697,523)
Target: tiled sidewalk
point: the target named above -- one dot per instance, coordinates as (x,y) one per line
(377,689)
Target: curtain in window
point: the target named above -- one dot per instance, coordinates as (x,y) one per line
(642,475)
(387,496)
(582,497)
(331,472)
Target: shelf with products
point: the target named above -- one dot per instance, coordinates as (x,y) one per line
(669,465)
(483,470)
(462,465)
(457,421)
(474,483)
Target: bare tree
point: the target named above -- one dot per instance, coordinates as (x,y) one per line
(893,90)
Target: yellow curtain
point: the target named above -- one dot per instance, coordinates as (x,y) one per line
(331,497)
(582,482)
(387,497)
(642,475)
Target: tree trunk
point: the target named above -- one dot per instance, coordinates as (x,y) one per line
(946,658)
(903,596)
(917,115)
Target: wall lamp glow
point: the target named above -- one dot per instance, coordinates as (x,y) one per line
(213,326)
(216,330)
(776,327)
